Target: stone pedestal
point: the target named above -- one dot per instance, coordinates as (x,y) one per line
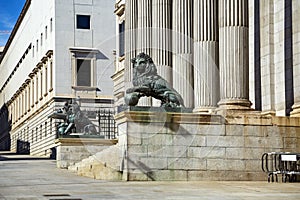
(71,150)
(185,146)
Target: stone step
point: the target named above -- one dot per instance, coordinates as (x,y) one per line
(103,165)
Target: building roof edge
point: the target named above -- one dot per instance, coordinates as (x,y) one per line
(15,29)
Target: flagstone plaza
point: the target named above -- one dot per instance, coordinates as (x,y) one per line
(30,178)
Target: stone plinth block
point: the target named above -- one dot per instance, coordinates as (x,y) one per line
(72,150)
(193,146)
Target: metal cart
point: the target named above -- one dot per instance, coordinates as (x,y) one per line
(285,163)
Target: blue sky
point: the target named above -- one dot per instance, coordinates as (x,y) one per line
(9,12)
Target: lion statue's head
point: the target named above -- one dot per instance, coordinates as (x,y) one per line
(143,67)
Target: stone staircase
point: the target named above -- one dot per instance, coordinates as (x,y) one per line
(104,165)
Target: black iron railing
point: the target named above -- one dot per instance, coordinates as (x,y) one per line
(106,123)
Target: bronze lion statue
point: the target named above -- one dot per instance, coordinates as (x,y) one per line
(147,82)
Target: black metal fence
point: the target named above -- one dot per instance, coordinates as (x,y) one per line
(106,123)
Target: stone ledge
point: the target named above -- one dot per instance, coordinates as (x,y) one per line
(168,117)
(85,141)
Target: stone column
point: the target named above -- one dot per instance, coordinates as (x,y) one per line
(296,56)
(182,50)
(234,54)
(161,39)
(144,17)
(206,55)
(144,36)
(130,39)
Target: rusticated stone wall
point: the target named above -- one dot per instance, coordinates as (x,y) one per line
(176,146)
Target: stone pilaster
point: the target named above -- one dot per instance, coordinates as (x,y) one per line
(144,36)
(130,39)
(266,10)
(234,54)
(182,50)
(161,39)
(296,56)
(206,55)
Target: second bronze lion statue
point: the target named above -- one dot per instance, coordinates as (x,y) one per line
(147,82)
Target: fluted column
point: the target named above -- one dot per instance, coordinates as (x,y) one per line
(296,56)
(161,39)
(234,57)
(130,39)
(144,36)
(206,55)
(182,50)
(144,16)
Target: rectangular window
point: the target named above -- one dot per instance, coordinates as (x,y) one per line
(46,32)
(121,39)
(83,69)
(36,88)
(51,25)
(46,80)
(83,21)
(37,45)
(50,77)
(41,84)
(45,129)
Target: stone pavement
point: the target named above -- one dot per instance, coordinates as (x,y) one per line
(25,177)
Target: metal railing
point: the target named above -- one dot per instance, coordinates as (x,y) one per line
(106,123)
(285,163)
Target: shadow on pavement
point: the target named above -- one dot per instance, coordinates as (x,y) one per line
(9,156)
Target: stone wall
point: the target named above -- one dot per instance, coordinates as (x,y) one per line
(73,150)
(174,146)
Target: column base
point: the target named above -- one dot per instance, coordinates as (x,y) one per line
(296,110)
(226,105)
(268,113)
(204,110)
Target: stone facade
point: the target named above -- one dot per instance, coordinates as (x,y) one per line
(237,58)
(225,55)
(169,146)
(40,65)
(155,146)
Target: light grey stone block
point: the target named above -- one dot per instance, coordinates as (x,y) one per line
(134,139)
(187,164)
(258,131)
(156,139)
(218,130)
(225,141)
(167,151)
(198,141)
(169,175)
(251,142)
(225,176)
(137,150)
(206,152)
(153,163)
(233,130)
(225,165)
(151,127)
(244,153)
(253,166)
